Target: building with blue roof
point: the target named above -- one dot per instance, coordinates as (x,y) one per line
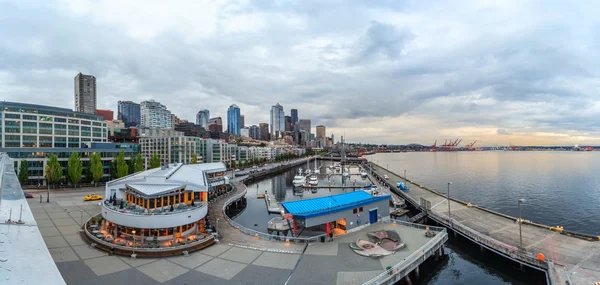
(339,213)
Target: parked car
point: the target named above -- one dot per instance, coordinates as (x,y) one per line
(237,170)
(28,195)
(92,197)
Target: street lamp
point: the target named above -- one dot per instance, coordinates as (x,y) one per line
(520,221)
(448,198)
(133,254)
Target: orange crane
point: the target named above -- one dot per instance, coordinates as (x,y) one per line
(434,146)
(470,146)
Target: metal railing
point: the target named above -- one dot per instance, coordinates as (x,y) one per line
(262,235)
(155,212)
(407,265)
(143,249)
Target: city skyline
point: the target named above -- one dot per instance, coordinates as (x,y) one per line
(373,71)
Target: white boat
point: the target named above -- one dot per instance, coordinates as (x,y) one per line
(337,167)
(345,174)
(299,179)
(386,177)
(313,181)
(307,172)
(363,174)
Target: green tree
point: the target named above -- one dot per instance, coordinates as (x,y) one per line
(54,173)
(75,168)
(194,159)
(96,167)
(154,161)
(122,167)
(113,169)
(131,164)
(139,163)
(23,172)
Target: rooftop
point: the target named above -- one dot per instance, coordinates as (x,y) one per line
(155,189)
(324,205)
(24,257)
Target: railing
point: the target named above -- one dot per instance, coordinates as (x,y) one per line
(142,212)
(143,249)
(261,234)
(414,259)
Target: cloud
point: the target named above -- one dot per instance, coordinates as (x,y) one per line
(503,132)
(392,72)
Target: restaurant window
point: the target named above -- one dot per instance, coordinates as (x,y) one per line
(360,209)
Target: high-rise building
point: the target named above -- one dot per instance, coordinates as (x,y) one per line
(85,93)
(254,132)
(242,121)
(215,124)
(294,116)
(320,131)
(245,132)
(288,123)
(129,113)
(108,115)
(303,125)
(174,120)
(264,131)
(202,118)
(277,121)
(155,115)
(233,120)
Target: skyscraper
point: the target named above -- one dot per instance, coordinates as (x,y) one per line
(320,131)
(202,118)
(303,125)
(277,121)
(254,132)
(294,116)
(264,131)
(215,124)
(242,121)
(154,115)
(129,113)
(85,93)
(288,123)
(233,120)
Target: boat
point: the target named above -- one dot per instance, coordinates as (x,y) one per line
(386,177)
(313,181)
(363,174)
(307,172)
(401,185)
(313,190)
(299,179)
(346,174)
(337,167)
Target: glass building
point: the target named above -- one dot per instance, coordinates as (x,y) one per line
(129,113)
(155,115)
(277,121)
(202,118)
(35,132)
(233,120)
(294,116)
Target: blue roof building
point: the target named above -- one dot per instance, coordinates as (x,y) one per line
(343,212)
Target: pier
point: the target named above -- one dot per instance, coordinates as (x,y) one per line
(568,258)
(272,206)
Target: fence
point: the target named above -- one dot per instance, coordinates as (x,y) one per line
(407,265)
(262,235)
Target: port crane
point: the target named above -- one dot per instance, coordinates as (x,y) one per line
(434,146)
(450,145)
(470,146)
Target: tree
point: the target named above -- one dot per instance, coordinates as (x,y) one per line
(154,161)
(194,159)
(131,164)
(23,172)
(122,167)
(75,168)
(54,173)
(113,169)
(96,167)
(139,163)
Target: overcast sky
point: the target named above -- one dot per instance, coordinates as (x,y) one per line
(521,72)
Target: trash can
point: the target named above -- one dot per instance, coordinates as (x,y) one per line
(322,238)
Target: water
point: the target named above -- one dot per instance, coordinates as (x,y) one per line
(255,216)
(560,188)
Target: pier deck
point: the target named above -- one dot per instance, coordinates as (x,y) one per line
(578,258)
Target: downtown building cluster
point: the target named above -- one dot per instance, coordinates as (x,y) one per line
(32,133)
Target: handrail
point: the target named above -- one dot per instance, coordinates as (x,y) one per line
(403,267)
(144,249)
(199,205)
(261,234)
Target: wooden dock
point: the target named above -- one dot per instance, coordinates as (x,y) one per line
(569,258)
(272,206)
(399,213)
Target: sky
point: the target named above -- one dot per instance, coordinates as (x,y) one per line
(391,72)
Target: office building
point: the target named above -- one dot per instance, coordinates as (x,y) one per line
(245,132)
(254,132)
(277,121)
(288,123)
(192,130)
(264,131)
(129,113)
(242,121)
(175,120)
(107,115)
(202,118)
(173,147)
(294,116)
(154,115)
(233,120)
(85,94)
(303,125)
(220,151)
(215,124)
(320,129)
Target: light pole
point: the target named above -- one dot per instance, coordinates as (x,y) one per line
(133,254)
(520,221)
(448,198)
(217,228)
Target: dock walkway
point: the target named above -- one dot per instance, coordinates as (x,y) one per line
(570,258)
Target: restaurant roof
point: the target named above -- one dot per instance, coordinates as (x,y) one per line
(155,189)
(324,205)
